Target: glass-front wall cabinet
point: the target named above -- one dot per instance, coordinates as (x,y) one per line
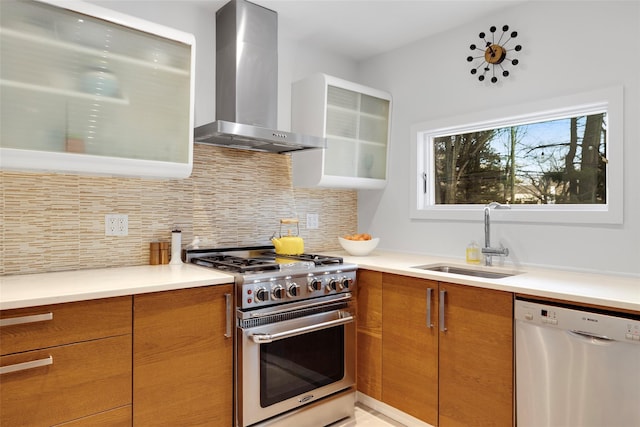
(85,89)
(355,121)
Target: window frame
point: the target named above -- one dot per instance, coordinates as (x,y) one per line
(609,100)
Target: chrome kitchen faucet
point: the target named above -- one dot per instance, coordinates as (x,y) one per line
(487,250)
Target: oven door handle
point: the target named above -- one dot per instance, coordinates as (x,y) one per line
(261,338)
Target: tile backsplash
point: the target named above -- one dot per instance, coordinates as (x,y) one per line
(54,222)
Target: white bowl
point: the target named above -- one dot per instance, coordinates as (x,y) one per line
(359,247)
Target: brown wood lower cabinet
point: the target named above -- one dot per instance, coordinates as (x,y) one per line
(119,417)
(476,357)
(182,360)
(84,350)
(409,348)
(461,376)
(369,333)
(176,368)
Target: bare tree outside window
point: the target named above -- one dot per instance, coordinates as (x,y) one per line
(559,161)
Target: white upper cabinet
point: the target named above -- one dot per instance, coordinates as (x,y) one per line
(355,121)
(84,89)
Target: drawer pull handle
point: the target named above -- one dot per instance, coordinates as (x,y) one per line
(26,365)
(443,327)
(429,294)
(26,319)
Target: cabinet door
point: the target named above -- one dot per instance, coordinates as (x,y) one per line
(354,119)
(182,360)
(85,89)
(410,347)
(369,363)
(357,134)
(476,357)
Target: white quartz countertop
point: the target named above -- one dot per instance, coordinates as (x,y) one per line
(600,289)
(50,288)
(67,286)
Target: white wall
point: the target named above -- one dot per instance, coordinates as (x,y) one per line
(564,53)
(295,62)
(568,47)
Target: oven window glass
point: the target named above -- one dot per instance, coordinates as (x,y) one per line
(299,364)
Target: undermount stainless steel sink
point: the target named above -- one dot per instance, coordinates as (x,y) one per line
(465,271)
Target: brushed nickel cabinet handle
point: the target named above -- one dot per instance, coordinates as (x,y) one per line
(429,294)
(26,365)
(227,298)
(26,319)
(443,293)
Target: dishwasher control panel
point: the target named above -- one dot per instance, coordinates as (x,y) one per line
(590,323)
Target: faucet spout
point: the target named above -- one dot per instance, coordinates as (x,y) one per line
(487,250)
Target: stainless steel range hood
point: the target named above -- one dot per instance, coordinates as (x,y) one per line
(247,84)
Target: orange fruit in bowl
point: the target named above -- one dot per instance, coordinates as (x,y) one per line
(360,237)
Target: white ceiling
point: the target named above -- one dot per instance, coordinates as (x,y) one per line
(359,29)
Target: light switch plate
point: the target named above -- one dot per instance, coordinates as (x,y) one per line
(312,220)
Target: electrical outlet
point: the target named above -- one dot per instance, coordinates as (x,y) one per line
(116,225)
(312,220)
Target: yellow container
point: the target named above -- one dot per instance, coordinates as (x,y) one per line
(473,253)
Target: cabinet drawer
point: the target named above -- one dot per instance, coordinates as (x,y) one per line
(84,379)
(119,417)
(69,323)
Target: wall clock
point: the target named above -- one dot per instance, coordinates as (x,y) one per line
(497,55)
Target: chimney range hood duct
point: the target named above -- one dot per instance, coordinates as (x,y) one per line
(247,84)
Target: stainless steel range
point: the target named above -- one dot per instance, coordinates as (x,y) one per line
(295,335)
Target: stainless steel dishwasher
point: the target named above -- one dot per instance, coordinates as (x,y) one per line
(576,367)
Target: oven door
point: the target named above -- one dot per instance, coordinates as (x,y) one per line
(287,364)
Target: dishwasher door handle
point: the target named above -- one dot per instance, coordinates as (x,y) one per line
(593,338)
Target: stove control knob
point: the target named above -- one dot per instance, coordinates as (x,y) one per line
(277,292)
(262,294)
(333,284)
(315,284)
(293,290)
(346,282)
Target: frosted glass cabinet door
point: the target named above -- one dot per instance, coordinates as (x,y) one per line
(357,131)
(355,121)
(85,89)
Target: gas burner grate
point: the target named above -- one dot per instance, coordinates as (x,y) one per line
(237,264)
(256,259)
(316,259)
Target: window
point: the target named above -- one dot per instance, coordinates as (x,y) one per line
(559,160)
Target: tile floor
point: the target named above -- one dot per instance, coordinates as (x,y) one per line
(367,417)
